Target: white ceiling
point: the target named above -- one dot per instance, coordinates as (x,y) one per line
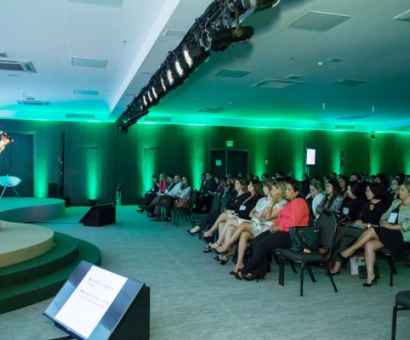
(373,47)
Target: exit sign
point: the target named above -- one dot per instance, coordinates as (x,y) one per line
(229,143)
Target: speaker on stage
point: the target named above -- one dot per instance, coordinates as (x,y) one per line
(99,215)
(97,304)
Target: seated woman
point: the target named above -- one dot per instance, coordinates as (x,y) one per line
(233,205)
(353,204)
(343,182)
(333,199)
(295,213)
(393,232)
(260,222)
(395,188)
(369,217)
(315,198)
(243,213)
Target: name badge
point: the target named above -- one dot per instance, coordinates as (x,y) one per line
(393,218)
(242,207)
(345,211)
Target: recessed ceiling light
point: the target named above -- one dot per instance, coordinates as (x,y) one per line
(349,82)
(232,73)
(87,92)
(318,21)
(88,62)
(110,3)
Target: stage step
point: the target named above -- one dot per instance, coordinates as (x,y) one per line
(63,253)
(41,288)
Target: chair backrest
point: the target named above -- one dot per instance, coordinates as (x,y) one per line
(327,223)
(9,181)
(216,203)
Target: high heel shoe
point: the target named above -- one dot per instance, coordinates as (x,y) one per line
(224,259)
(333,274)
(371,283)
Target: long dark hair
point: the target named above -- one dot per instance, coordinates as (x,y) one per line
(295,186)
(257,187)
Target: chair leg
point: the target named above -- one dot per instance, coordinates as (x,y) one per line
(312,277)
(281,271)
(331,279)
(393,324)
(392,267)
(2,193)
(292,264)
(302,270)
(17,194)
(275,257)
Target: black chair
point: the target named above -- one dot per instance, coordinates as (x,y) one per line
(215,207)
(184,212)
(402,303)
(320,259)
(390,260)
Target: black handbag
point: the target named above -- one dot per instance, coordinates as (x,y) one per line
(304,238)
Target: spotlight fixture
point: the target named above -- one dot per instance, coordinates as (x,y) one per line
(144,100)
(178,68)
(170,77)
(149,97)
(154,92)
(259,5)
(194,55)
(164,87)
(219,40)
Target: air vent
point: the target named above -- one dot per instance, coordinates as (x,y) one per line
(17,65)
(174,33)
(349,82)
(109,3)
(157,119)
(213,110)
(3,55)
(318,21)
(344,127)
(335,60)
(146,73)
(276,83)
(87,92)
(353,117)
(80,116)
(293,77)
(405,16)
(232,73)
(33,103)
(87,62)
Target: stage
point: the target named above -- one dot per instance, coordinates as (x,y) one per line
(20,242)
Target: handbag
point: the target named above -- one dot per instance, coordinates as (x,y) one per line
(302,238)
(181,203)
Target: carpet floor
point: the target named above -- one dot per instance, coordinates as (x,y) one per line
(193,297)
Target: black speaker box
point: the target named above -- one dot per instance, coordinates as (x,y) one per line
(99,215)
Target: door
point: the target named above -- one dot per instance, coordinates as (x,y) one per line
(229,162)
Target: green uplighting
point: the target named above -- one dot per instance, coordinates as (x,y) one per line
(41,178)
(91,169)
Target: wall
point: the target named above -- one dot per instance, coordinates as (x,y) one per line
(89,157)
(148,149)
(99,157)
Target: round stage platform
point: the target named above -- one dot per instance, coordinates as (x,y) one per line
(20,242)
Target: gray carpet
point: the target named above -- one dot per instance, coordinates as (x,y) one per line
(193,297)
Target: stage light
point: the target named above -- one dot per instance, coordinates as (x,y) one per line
(178,68)
(149,97)
(144,100)
(154,92)
(170,77)
(219,40)
(164,87)
(194,55)
(259,5)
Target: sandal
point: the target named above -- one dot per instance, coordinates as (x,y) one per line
(224,259)
(208,249)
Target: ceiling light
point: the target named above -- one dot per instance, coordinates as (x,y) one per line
(194,55)
(178,68)
(170,77)
(154,92)
(164,87)
(144,100)
(149,97)
(219,40)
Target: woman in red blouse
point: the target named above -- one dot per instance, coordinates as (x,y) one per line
(294,214)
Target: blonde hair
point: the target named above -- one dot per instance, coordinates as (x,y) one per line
(281,185)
